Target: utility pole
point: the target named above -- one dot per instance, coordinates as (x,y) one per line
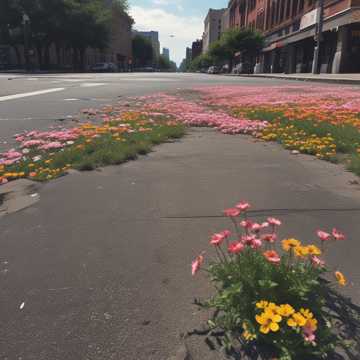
(26,22)
(318,36)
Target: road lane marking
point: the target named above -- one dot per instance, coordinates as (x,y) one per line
(33,93)
(91,84)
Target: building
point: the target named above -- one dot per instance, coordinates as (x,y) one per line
(225,21)
(166,53)
(289,27)
(119,50)
(196,49)
(212,27)
(153,36)
(188,55)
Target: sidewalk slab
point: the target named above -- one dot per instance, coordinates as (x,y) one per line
(349,79)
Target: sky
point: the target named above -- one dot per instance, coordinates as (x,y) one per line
(182,18)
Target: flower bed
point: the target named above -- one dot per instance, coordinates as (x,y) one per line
(45,155)
(272,294)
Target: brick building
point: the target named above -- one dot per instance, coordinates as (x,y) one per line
(212,27)
(289,27)
(196,49)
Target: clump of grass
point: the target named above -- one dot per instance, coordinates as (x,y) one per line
(106,150)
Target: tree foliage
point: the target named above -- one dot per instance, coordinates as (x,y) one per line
(247,42)
(75,24)
(143,51)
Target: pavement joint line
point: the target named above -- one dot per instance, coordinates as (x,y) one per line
(28,94)
(260,212)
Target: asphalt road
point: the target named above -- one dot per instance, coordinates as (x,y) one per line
(99,268)
(73,92)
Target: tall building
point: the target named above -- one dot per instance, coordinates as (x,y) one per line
(153,36)
(289,27)
(212,27)
(196,49)
(166,53)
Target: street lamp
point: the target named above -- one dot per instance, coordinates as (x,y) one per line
(318,36)
(26,23)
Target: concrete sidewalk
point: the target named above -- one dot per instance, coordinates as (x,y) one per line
(99,268)
(351,79)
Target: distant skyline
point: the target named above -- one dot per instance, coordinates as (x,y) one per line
(183,19)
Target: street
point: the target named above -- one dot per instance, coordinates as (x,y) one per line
(99,268)
(74,92)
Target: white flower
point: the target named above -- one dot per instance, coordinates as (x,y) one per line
(25,151)
(37,158)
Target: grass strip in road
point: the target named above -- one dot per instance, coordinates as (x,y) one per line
(322,136)
(47,155)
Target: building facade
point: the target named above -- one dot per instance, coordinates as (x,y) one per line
(289,27)
(153,36)
(196,49)
(166,53)
(212,27)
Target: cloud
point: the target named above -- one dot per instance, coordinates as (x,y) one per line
(186,29)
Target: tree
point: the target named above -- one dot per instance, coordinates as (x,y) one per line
(202,61)
(74,24)
(143,51)
(247,42)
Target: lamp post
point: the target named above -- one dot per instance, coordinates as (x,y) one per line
(318,36)
(26,23)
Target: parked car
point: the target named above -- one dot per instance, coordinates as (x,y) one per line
(213,70)
(145,69)
(104,67)
(242,68)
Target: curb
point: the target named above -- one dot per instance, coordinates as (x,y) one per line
(299,78)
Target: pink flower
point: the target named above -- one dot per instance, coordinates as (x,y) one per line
(338,235)
(256,244)
(218,238)
(272,256)
(317,262)
(236,247)
(226,233)
(196,264)
(273,221)
(247,224)
(248,239)
(232,212)
(271,238)
(309,331)
(243,206)
(323,236)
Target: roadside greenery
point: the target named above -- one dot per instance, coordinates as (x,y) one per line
(233,41)
(311,132)
(75,24)
(47,155)
(272,295)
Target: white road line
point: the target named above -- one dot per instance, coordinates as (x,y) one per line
(23,95)
(91,84)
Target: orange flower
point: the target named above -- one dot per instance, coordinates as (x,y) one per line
(272,256)
(340,278)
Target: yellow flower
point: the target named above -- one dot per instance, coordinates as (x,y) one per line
(262,304)
(285,310)
(296,320)
(301,251)
(313,250)
(268,321)
(248,336)
(340,278)
(306,313)
(290,244)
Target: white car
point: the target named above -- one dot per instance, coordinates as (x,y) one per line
(104,67)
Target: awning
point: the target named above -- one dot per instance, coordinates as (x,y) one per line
(346,17)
